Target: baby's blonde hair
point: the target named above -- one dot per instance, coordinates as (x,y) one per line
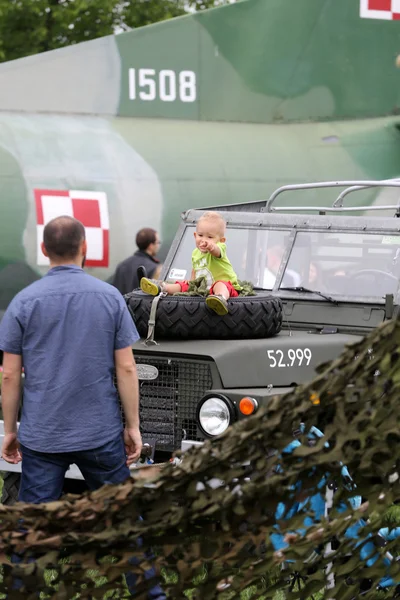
(214,217)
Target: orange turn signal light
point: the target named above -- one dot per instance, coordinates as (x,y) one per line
(315,399)
(247,406)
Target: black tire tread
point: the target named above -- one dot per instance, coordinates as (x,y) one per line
(11,483)
(188,317)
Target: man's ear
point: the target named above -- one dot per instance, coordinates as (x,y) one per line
(84,248)
(43,249)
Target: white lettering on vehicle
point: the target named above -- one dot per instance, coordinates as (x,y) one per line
(166,85)
(289,358)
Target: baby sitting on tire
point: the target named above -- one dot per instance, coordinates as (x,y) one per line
(209,260)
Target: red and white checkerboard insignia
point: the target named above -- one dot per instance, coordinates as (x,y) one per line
(90,208)
(380,9)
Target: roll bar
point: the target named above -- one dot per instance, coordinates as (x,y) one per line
(339,200)
(351,186)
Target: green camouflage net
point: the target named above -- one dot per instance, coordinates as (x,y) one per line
(199,287)
(202,533)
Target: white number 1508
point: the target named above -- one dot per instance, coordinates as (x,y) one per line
(289,358)
(165,85)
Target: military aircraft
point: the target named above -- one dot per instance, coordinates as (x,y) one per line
(217,107)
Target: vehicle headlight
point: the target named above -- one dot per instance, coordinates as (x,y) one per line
(214,415)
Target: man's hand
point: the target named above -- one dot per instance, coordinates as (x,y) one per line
(133,445)
(10,449)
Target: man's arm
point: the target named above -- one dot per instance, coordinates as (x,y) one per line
(128,388)
(10,400)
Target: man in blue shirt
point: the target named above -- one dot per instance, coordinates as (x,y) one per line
(69,331)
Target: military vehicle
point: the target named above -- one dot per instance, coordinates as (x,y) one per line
(323,278)
(214,108)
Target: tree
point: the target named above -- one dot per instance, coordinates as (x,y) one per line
(32,26)
(137,13)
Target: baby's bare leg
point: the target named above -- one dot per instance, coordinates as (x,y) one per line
(218,301)
(220,289)
(153,287)
(171,288)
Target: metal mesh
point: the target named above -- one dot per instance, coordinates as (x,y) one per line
(168,403)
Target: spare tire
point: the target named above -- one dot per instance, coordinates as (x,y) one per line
(188,317)
(11,482)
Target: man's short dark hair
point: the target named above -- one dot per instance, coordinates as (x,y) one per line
(63,236)
(145,237)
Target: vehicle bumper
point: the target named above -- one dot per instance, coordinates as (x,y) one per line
(186,444)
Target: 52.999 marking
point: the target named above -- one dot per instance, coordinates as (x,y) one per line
(290,358)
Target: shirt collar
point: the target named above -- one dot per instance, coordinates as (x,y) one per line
(144,253)
(65,268)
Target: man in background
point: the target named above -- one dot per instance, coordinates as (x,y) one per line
(126,278)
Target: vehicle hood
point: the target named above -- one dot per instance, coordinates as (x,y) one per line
(259,363)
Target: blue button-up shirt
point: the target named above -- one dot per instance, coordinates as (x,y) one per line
(66,326)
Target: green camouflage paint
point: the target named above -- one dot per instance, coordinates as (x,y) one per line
(266,61)
(222,106)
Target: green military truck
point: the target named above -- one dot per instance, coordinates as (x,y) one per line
(323,277)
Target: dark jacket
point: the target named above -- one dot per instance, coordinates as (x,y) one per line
(125,277)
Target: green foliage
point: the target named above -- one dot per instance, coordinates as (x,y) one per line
(204,4)
(138,13)
(32,26)
(392,516)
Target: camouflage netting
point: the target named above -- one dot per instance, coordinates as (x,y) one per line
(199,287)
(201,534)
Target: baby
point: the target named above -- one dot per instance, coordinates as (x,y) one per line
(209,260)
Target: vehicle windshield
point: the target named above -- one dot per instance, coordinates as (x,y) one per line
(344,264)
(337,264)
(249,250)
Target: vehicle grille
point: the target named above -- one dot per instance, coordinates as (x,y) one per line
(168,403)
